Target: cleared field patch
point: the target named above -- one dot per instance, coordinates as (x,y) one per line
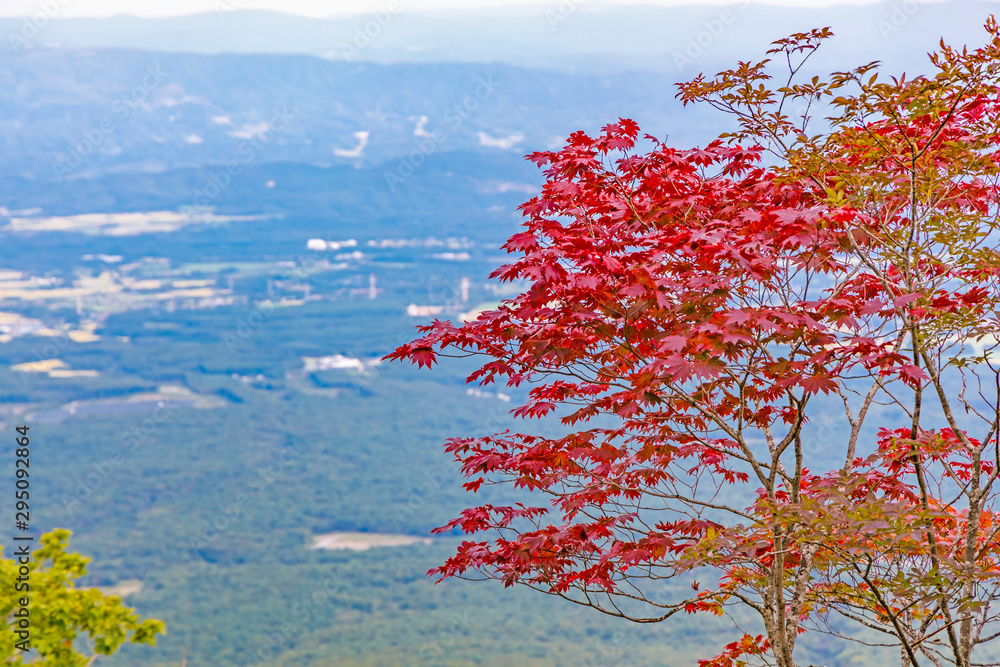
(122,224)
(166,397)
(122,589)
(365,541)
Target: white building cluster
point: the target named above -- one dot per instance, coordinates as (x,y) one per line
(339,362)
(321,245)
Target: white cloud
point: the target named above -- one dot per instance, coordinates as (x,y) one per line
(193,139)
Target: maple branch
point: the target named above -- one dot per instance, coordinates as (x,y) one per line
(893,618)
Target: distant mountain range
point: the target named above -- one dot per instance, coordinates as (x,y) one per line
(212,97)
(572,35)
(75,113)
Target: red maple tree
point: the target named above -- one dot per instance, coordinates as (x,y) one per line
(687,311)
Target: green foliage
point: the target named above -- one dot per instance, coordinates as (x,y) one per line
(60,613)
(137,483)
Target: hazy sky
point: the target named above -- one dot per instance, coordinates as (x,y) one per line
(68,8)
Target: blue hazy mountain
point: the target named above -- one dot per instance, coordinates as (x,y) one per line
(575,36)
(69,113)
(84,97)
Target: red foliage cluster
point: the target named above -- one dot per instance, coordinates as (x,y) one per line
(697,301)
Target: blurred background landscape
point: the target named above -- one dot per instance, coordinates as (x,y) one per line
(212,226)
